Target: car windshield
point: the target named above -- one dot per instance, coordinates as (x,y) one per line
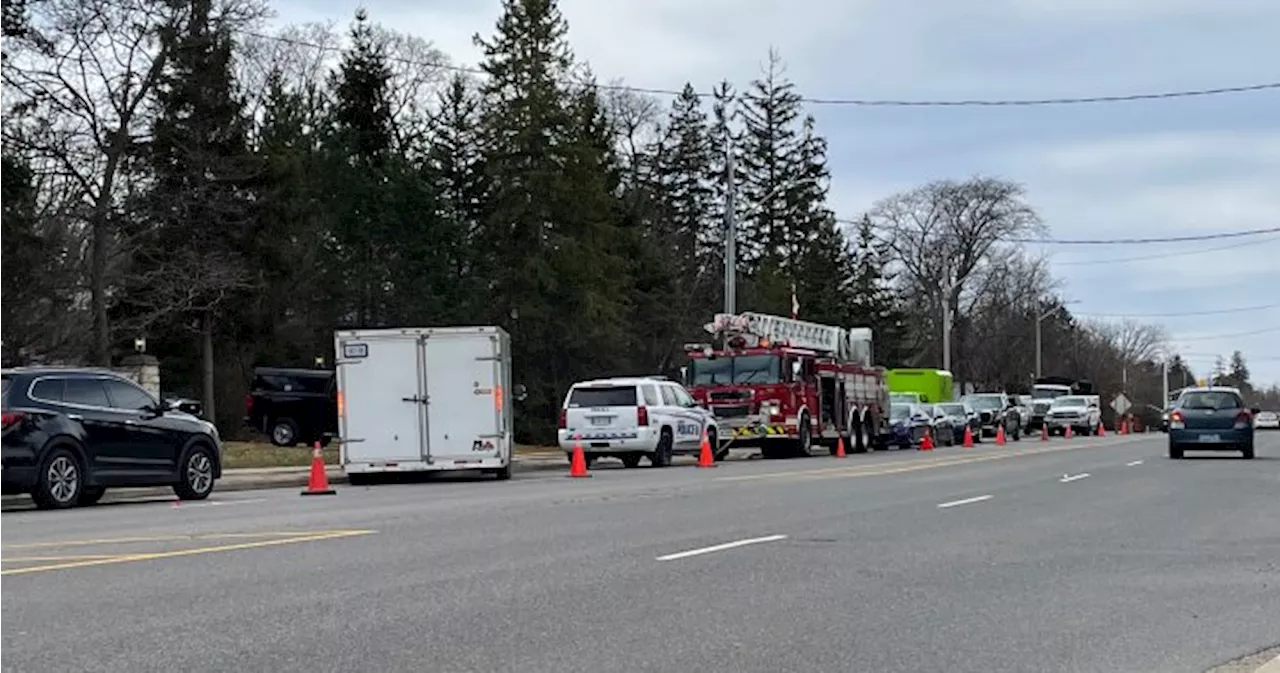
(952,409)
(899,412)
(1204,399)
(742,369)
(1047,393)
(985,402)
(1070,401)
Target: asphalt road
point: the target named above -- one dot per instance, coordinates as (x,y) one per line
(1081,555)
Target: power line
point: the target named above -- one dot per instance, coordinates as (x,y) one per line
(847,102)
(1166,255)
(1223,311)
(1211,337)
(1134,241)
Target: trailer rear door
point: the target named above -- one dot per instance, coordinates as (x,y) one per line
(383,417)
(465,376)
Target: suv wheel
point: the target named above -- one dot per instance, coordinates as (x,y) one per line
(1247,451)
(661,456)
(196,478)
(59,482)
(284,432)
(630,460)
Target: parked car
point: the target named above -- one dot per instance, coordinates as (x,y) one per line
(962,416)
(907,425)
(995,410)
(1267,420)
(70,434)
(1211,419)
(634,418)
(293,405)
(942,429)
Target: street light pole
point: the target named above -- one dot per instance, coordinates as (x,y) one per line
(730,234)
(1039,339)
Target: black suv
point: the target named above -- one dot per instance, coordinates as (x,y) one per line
(69,434)
(293,405)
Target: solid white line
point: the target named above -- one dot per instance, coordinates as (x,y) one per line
(720,547)
(1075,477)
(222,503)
(1132,463)
(966,501)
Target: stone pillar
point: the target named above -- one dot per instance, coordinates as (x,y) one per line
(145,370)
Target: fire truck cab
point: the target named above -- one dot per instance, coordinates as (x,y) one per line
(784,385)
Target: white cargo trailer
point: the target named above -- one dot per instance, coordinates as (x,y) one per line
(424,399)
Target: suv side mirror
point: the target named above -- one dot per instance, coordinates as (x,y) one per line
(519,392)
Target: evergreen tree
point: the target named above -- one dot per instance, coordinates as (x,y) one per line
(549,228)
(190,260)
(770,110)
(1237,373)
(873,302)
(816,255)
(725,141)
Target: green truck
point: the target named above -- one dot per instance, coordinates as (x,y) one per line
(932,386)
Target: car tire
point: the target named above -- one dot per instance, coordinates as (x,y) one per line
(60,480)
(631,460)
(503,473)
(90,495)
(284,432)
(1175,452)
(1247,452)
(195,474)
(661,456)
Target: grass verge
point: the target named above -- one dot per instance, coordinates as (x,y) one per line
(236,455)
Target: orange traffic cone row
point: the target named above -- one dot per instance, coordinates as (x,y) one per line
(926,444)
(1000,435)
(1067,432)
(578,464)
(968,437)
(705,457)
(1044,432)
(840,448)
(318,483)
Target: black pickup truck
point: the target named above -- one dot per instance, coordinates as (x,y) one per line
(293,405)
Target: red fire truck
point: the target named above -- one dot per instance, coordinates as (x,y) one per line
(784,385)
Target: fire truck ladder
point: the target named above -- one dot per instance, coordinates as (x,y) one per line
(798,333)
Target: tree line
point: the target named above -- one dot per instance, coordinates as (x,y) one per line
(174,171)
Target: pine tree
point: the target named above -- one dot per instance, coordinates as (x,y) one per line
(455,170)
(190,260)
(549,228)
(816,253)
(873,301)
(725,141)
(770,110)
(1237,373)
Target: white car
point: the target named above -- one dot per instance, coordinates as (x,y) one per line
(1268,420)
(631,418)
(1081,413)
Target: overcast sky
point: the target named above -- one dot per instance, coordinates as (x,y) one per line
(1140,169)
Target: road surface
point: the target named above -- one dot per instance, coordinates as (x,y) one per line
(1089,554)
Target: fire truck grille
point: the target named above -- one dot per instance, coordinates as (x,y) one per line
(730,395)
(731,411)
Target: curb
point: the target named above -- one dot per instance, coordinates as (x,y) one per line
(1272,666)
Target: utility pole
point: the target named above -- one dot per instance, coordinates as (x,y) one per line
(946,330)
(1039,339)
(730,234)
(1164,382)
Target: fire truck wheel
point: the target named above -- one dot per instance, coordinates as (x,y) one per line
(661,456)
(805,445)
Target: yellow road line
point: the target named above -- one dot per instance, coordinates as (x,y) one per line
(130,558)
(45,559)
(161,538)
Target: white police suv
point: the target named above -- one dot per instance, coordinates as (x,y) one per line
(630,418)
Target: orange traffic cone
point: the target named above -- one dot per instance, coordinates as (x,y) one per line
(318,483)
(578,464)
(1067,432)
(1044,432)
(968,437)
(1102,430)
(840,448)
(1124,427)
(926,444)
(1000,435)
(705,457)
